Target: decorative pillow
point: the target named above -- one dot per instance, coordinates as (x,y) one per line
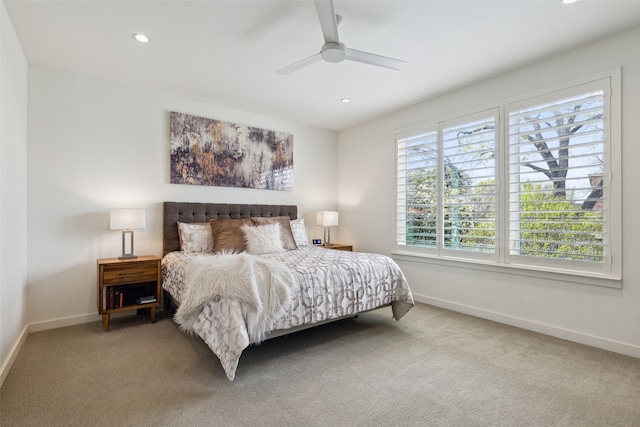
(195,237)
(285,229)
(263,239)
(227,234)
(299,232)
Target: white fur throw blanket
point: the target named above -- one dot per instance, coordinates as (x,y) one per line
(262,287)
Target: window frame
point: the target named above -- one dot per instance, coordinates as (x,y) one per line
(608,273)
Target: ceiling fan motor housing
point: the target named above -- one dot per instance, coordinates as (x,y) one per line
(333,52)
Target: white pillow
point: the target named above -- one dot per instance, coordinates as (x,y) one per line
(263,239)
(299,232)
(195,237)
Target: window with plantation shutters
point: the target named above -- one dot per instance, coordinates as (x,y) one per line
(531,184)
(558,177)
(446,186)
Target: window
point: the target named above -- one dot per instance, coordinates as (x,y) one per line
(557,209)
(446,186)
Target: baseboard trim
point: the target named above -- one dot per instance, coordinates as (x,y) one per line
(554,331)
(62,322)
(74,320)
(13,354)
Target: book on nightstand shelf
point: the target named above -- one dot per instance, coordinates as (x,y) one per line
(146,300)
(113,297)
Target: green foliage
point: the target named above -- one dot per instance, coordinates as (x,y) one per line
(421,203)
(552,227)
(467,222)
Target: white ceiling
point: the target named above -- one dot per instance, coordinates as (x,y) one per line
(226,52)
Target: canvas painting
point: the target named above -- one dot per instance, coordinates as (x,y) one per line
(216,153)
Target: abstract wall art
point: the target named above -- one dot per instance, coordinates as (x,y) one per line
(216,153)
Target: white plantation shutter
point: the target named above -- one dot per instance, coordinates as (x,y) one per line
(558,170)
(417,154)
(469,184)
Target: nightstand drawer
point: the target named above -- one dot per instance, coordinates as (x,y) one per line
(130,273)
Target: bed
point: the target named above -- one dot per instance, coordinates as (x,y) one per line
(240,273)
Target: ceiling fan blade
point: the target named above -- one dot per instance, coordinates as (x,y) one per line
(328,21)
(297,65)
(372,59)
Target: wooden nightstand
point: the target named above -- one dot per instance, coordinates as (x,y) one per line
(123,282)
(338,246)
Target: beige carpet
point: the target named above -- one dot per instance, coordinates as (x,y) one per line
(433,368)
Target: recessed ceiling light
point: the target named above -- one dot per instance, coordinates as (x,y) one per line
(345,100)
(569,1)
(142,38)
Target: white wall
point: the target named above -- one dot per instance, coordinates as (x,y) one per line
(604,317)
(13,199)
(95,145)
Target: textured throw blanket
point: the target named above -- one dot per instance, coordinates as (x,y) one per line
(262,287)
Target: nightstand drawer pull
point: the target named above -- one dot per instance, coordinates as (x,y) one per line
(130,275)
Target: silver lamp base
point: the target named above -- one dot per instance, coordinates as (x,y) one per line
(327,237)
(125,254)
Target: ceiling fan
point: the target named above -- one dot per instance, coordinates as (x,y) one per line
(334,51)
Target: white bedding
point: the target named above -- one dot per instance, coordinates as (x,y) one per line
(328,284)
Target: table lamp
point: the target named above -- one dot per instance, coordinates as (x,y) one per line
(327,219)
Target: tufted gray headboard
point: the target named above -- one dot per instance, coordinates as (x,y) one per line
(174,212)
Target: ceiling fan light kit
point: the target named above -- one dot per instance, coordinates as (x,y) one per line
(333,51)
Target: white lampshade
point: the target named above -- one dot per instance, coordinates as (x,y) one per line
(127,219)
(327,218)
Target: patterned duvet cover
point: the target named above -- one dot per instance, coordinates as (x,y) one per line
(329,284)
